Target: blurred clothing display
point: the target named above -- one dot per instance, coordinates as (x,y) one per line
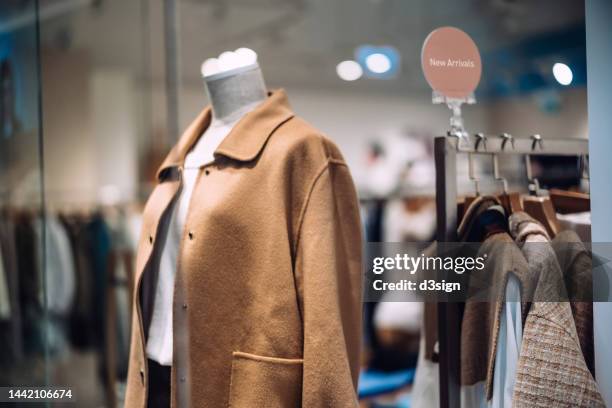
(5,304)
(78,248)
(59,266)
(30,284)
(426,387)
(82,329)
(503,343)
(400,163)
(10,335)
(410,220)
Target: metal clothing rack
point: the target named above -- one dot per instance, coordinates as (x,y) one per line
(446,149)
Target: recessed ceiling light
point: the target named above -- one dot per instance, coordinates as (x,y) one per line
(563,73)
(378,63)
(349,70)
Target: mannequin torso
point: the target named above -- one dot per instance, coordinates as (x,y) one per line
(232,95)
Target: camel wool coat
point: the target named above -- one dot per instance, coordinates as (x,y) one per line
(267,298)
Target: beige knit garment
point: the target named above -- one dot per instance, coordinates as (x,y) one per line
(551,371)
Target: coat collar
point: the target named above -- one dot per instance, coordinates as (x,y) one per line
(245,140)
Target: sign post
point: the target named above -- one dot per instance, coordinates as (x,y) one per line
(452,66)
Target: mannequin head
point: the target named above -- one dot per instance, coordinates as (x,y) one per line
(233,82)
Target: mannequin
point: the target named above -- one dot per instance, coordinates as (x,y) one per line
(233,91)
(252,297)
(234,86)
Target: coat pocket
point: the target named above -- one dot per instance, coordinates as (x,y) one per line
(271,382)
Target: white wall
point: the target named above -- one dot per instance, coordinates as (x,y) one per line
(114,119)
(90,130)
(599,59)
(522,116)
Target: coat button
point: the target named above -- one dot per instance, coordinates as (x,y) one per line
(183,379)
(184,305)
(190,235)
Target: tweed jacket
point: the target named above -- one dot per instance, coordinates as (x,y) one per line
(267,304)
(576,265)
(551,371)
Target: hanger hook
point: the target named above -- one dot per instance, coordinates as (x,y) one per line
(505,138)
(462,137)
(536,141)
(585,169)
(480,138)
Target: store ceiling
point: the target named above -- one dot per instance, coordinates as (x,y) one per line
(299,42)
(302,41)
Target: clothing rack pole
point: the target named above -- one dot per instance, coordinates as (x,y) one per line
(449,313)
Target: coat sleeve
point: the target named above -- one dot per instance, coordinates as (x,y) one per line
(328,278)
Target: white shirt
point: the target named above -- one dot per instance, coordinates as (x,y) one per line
(509,340)
(159,344)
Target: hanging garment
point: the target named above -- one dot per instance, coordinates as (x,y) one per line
(267,304)
(551,370)
(59,281)
(491,328)
(426,387)
(99,241)
(118,297)
(59,265)
(83,333)
(480,326)
(576,266)
(30,285)
(11,341)
(472,228)
(5,300)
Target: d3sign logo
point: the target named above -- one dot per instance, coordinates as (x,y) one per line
(451,62)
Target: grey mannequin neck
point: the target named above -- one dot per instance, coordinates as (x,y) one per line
(232,95)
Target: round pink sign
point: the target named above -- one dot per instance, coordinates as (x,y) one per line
(451,62)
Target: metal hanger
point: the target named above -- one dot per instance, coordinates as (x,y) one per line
(538,204)
(510,201)
(534,184)
(480,139)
